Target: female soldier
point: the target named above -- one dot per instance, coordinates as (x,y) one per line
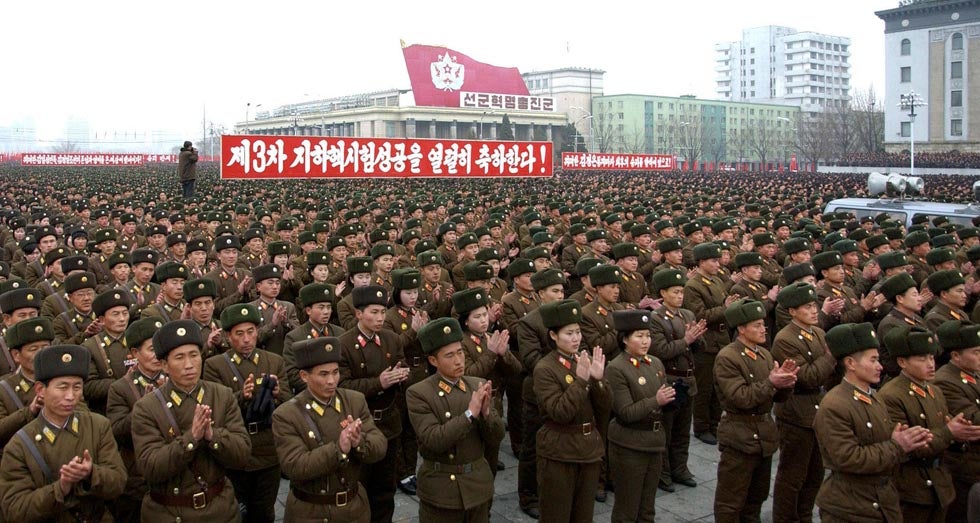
(573,399)
(637,440)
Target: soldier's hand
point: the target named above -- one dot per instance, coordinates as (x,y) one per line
(871,271)
(597,367)
(656,256)
(512,253)
(736,277)
(692,273)
(911,438)
(694,330)
(832,306)
(245,285)
(185,313)
(392,376)
(773,293)
(279,316)
(344,441)
(487,399)
(201,422)
(287,273)
(962,429)
(665,394)
(495,311)
(967,268)
(872,300)
(475,405)
(248,387)
(647,303)
(419,320)
(499,342)
(781,377)
(93,328)
(925,296)
(582,364)
(214,338)
(732,298)
(339,288)
(36,405)
(275,390)
(85,466)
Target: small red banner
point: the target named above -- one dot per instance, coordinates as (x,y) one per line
(256,157)
(622,162)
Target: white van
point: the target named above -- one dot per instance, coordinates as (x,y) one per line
(903,210)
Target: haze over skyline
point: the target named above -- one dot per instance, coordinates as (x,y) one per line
(145,73)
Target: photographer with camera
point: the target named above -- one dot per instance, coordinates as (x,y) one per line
(187,169)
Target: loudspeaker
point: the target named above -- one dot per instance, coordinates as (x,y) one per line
(894,184)
(914,185)
(877,183)
(976,191)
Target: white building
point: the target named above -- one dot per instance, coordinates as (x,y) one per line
(573,89)
(928,45)
(782,65)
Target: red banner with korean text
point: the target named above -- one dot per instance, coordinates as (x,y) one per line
(257,157)
(622,162)
(94,159)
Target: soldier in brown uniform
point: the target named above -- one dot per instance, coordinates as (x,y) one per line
(139,380)
(253,376)
(358,275)
(63,465)
(278,316)
(372,363)
(950,289)
(17,304)
(749,381)
(572,253)
(323,437)
(586,294)
(144,291)
(488,356)
(901,292)
(640,390)
(705,296)
(457,427)
(597,326)
(675,334)
(859,444)
(170,303)
(79,321)
(233,282)
(829,268)
(958,381)
(632,287)
(573,397)
(110,355)
(18,403)
(405,320)
(200,294)
(186,434)
(800,470)
(924,487)
(434,295)
(515,305)
(317,302)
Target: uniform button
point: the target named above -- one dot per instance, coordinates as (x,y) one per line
(190,446)
(452,477)
(928,482)
(875,505)
(200,479)
(448,415)
(751,375)
(177,519)
(176,491)
(322,491)
(451,456)
(214,446)
(755,436)
(816,407)
(922,415)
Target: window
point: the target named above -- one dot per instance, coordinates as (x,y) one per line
(906,74)
(752,61)
(956,99)
(956,42)
(956,70)
(906,47)
(544,83)
(906,129)
(956,127)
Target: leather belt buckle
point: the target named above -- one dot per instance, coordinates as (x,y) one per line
(341,499)
(378,414)
(657,426)
(586,429)
(416,361)
(253,428)
(199,501)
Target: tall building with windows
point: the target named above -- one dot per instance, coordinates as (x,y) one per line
(928,50)
(775,64)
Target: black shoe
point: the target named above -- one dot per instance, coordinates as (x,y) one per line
(531,511)
(500,466)
(600,495)
(666,487)
(408,485)
(687,482)
(707,438)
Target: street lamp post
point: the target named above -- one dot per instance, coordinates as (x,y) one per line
(248,106)
(871,128)
(910,101)
(484,115)
(588,116)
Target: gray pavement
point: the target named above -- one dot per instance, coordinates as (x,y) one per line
(684,505)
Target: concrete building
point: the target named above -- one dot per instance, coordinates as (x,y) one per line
(928,45)
(705,132)
(573,89)
(775,64)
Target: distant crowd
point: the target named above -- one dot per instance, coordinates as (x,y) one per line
(952,160)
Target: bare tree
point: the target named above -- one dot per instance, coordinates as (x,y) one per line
(604,135)
(689,137)
(715,145)
(762,139)
(815,137)
(869,120)
(632,142)
(66,147)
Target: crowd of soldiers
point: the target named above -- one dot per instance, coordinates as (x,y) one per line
(170,359)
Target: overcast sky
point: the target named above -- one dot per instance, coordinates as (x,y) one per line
(156,66)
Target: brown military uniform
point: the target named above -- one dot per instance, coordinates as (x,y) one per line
(894,318)
(747,435)
(16,395)
(667,329)
(323,480)
(399,320)
(771,272)
(227,286)
(942,313)
(569,445)
(54,304)
(637,439)
(800,471)
(428,303)
(632,289)
(178,469)
(481,362)
(924,487)
(455,478)
(346,313)
(110,361)
(143,297)
(597,328)
(123,395)
(69,327)
(514,307)
(362,360)
(163,311)
(961,390)
(29,490)
(705,297)
(271,336)
(852,312)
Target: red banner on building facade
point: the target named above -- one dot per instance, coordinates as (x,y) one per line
(438,74)
(256,157)
(94,159)
(622,162)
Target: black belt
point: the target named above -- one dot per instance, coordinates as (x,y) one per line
(455,469)
(923,463)
(734,416)
(806,391)
(257,426)
(722,328)
(643,425)
(198,501)
(575,428)
(338,499)
(677,373)
(879,481)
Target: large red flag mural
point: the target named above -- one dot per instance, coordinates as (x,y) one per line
(439,74)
